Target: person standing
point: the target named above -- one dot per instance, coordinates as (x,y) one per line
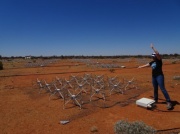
(158,76)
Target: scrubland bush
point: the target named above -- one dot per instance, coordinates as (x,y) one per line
(1,65)
(173,62)
(137,127)
(112,70)
(94,129)
(176,78)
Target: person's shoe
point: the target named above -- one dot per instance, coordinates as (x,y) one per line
(169,105)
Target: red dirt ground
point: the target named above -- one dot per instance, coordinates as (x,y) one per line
(23,110)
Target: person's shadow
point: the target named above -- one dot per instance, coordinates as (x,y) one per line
(174,103)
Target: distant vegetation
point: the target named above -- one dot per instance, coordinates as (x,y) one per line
(165,56)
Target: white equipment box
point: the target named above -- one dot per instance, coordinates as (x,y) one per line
(145,102)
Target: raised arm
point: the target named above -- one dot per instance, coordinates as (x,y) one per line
(146,65)
(157,53)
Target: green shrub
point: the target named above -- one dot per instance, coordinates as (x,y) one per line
(1,65)
(137,127)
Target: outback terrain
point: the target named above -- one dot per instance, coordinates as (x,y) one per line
(25,108)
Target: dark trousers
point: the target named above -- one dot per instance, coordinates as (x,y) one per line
(159,81)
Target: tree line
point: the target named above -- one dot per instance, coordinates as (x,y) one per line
(164,56)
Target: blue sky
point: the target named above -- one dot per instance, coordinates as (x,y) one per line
(88,27)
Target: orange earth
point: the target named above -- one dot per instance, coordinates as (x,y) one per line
(23,110)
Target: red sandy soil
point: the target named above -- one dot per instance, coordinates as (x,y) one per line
(23,110)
